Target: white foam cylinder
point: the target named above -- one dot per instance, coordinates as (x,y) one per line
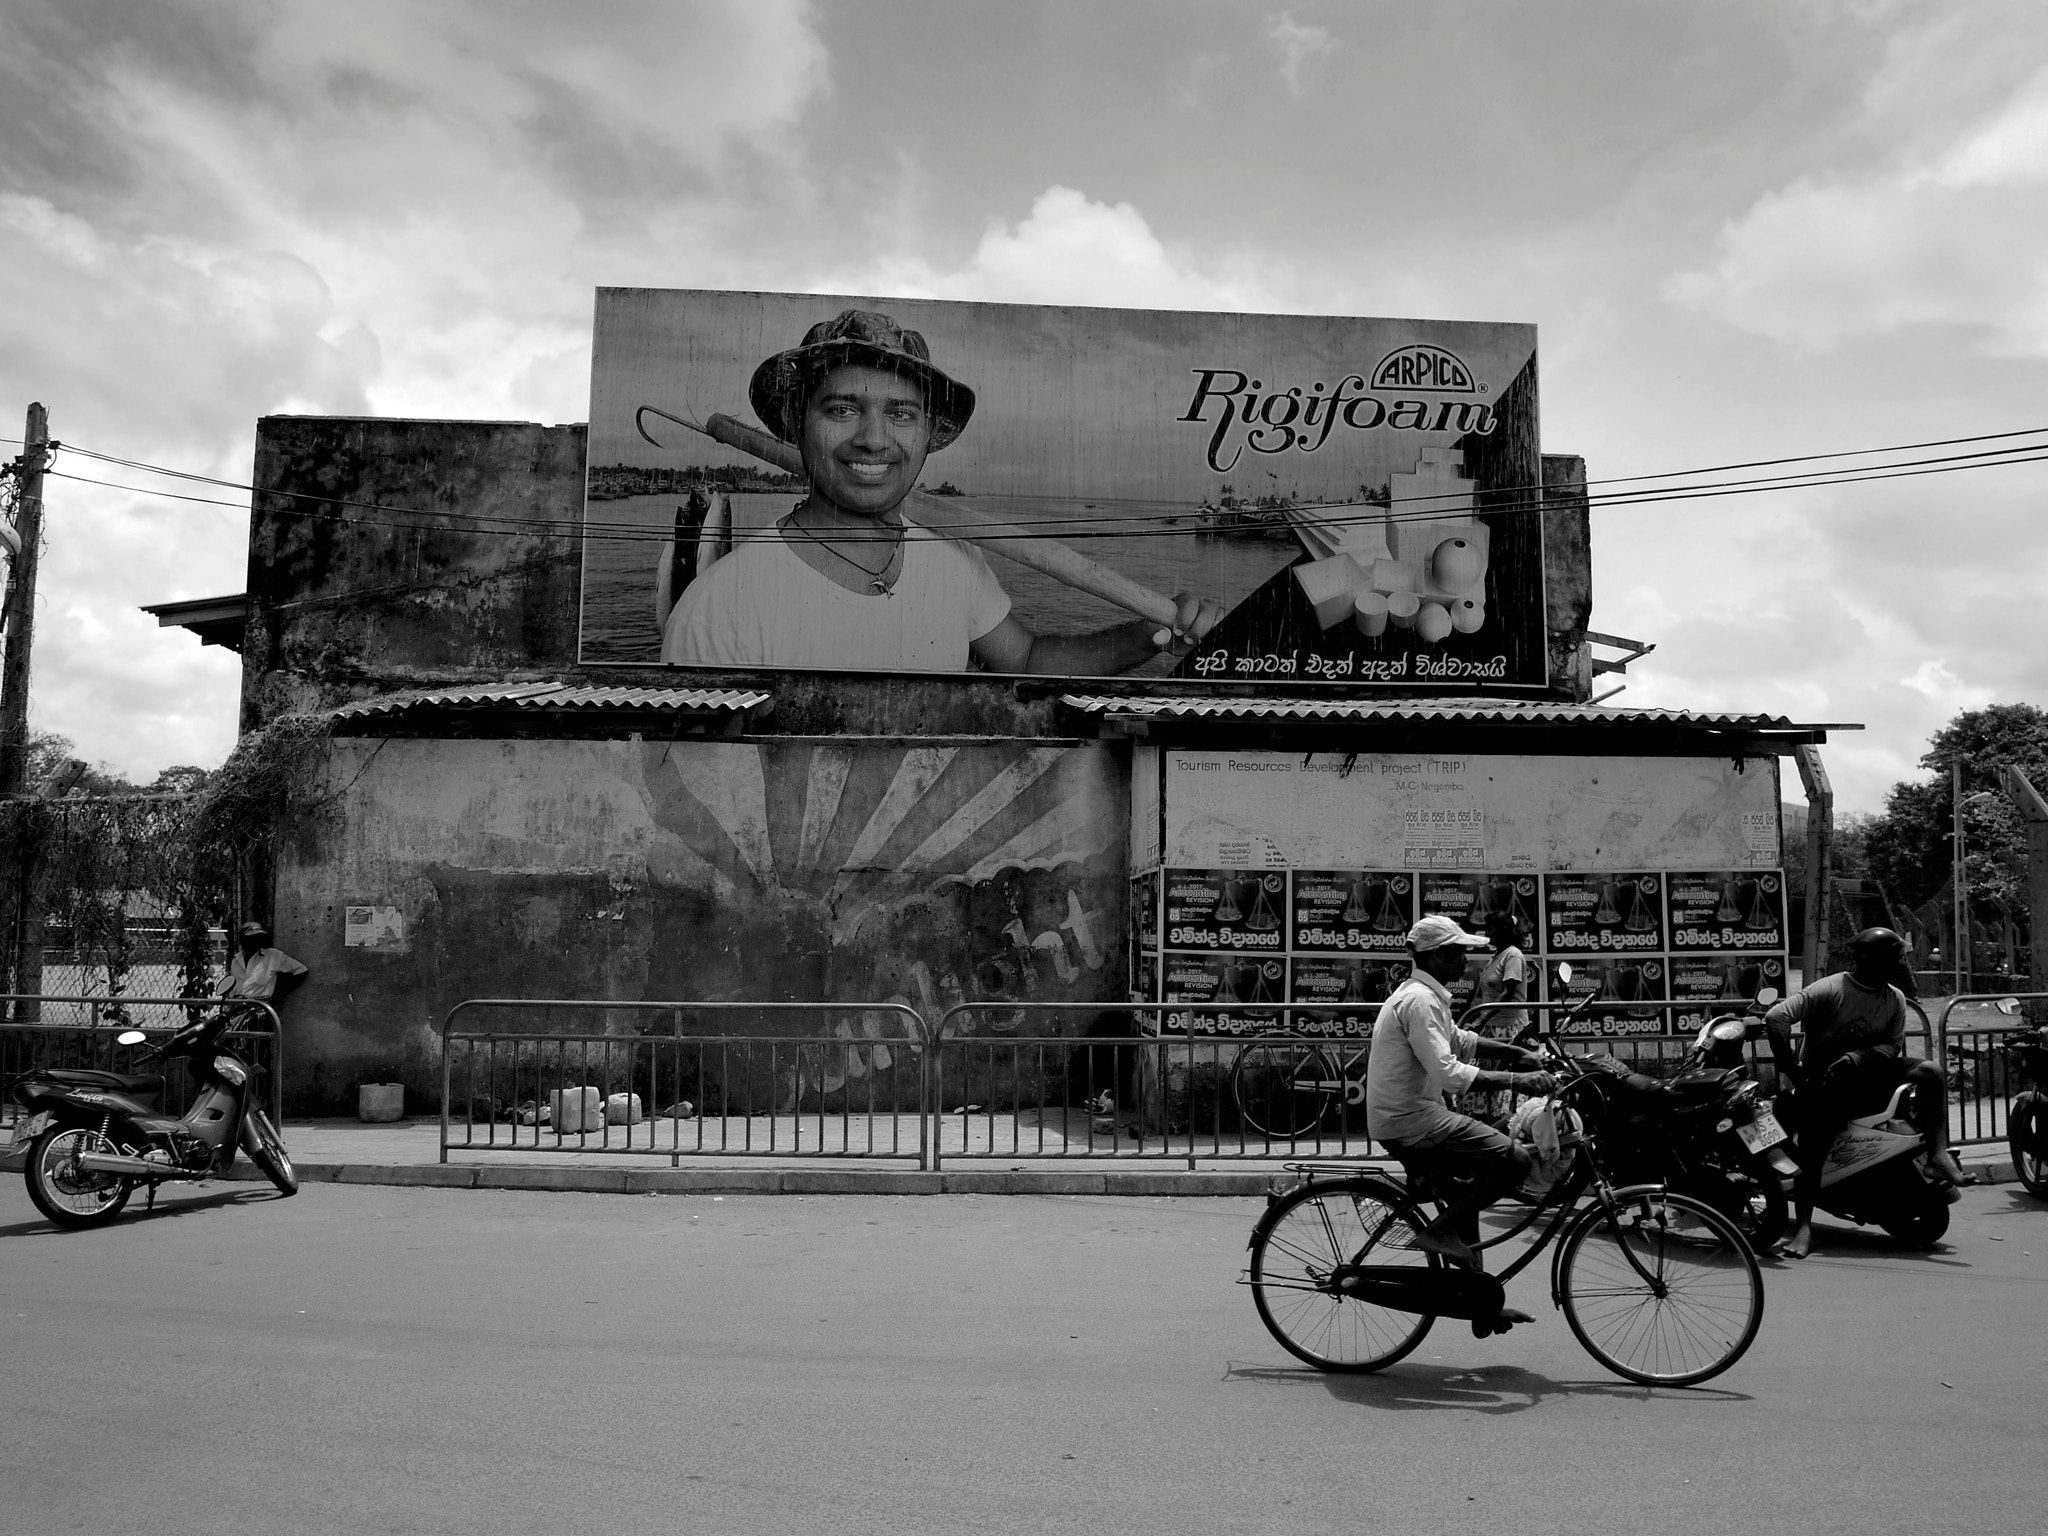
(1369,613)
(1401,608)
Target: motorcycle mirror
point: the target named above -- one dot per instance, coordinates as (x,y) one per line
(2008,1005)
(1563,973)
(1767,996)
(130,1037)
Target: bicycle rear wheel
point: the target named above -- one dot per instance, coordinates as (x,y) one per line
(1283,1088)
(1298,1248)
(1666,1293)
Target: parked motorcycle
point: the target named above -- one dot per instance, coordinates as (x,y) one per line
(2026,1118)
(1706,1131)
(92,1136)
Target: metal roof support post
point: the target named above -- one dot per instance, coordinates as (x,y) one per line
(1820,849)
(2034,812)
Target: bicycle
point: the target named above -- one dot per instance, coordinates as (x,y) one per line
(1660,1288)
(1285,1087)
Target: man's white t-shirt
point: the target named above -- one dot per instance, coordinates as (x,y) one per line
(762,606)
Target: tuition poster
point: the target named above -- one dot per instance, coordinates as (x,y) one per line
(1351,499)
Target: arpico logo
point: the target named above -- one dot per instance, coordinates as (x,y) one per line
(1274,420)
(1424,367)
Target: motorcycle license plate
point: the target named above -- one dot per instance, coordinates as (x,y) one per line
(28,1127)
(1763,1131)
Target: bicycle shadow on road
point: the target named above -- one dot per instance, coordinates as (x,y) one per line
(165,1209)
(1487,1389)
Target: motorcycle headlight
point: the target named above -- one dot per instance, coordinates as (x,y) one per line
(231,1069)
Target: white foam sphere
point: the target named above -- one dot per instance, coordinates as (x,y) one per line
(1457,565)
(1467,614)
(1433,622)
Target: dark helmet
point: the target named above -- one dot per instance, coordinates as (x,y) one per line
(1880,942)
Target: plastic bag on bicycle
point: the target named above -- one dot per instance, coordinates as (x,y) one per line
(1550,1134)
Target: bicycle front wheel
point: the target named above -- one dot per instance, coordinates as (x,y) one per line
(1665,1292)
(1299,1249)
(1282,1089)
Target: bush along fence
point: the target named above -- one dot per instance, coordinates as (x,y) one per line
(985,1081)
(127,894)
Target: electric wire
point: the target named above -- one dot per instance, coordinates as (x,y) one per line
(1683,486)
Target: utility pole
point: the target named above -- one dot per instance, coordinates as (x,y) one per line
(21,918)
(21,606)
(2033,811)
(1959,880)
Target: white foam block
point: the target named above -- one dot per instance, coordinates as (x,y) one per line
(1331,586)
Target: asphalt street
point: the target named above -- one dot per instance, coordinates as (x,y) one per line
(373,1359)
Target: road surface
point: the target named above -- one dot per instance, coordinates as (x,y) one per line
(373,1359)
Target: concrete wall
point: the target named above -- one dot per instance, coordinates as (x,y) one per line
(392,554)
(699,871)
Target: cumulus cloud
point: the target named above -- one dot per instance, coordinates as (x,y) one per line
(1298,44)
(1070,249)
(1949,233)
(230,210)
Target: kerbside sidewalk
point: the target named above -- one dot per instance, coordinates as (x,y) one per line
(409,1153)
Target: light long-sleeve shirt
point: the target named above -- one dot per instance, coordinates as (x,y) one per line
(1418,1056)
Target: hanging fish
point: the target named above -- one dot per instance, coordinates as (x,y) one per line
(702,536)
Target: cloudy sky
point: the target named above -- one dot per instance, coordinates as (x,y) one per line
(1746,229)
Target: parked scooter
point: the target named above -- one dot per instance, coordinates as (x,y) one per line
(1705,1131)
(2026,1118)
(93,1136)
(1877,1173)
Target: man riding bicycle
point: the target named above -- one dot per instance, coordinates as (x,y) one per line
(1419,1056)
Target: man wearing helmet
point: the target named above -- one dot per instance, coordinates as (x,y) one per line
(1418,1056)
(1853,1058)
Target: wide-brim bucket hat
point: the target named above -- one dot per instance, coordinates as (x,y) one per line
(783,383)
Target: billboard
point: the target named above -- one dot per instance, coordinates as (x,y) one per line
(876,484)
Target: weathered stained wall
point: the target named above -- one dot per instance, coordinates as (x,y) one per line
(391,554)
(694,871)
(1568,573)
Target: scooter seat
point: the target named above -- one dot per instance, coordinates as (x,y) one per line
(119,1082)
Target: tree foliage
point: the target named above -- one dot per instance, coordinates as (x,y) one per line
(1908,844)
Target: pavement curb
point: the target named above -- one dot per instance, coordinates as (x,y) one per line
(790,1181)
(615,1180)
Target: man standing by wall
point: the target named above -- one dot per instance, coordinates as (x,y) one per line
(260,972)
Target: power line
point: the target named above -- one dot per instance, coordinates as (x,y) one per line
(1068,527)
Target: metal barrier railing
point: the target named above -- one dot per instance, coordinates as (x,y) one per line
(1271,1080)
(852,1093)
(89,1042)
(1980,1084)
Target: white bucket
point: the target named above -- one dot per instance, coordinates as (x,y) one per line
(575,1109)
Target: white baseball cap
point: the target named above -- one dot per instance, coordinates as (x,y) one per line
(1436,930)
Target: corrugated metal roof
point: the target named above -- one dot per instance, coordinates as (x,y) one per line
(556,696)
(1478,711)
